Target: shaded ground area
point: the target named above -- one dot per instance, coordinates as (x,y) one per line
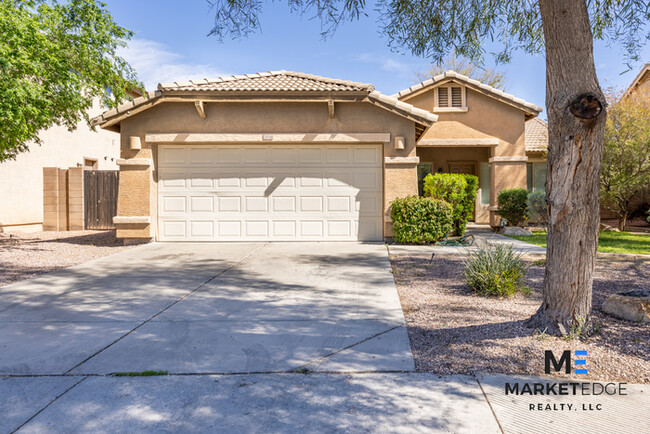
(26,255)
(209,308)
(453,331)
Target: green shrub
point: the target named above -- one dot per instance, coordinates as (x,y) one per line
(420,220)
(538,207)
(513,205)
(457,189)
(496,271)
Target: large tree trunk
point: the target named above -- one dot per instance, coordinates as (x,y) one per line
(621,222)
(576,121)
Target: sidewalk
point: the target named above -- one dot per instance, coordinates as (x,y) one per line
(482,237)
(318,403)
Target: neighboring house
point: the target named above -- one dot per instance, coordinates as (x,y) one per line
(480,131)
(21,180)
(292,156)
(641,83)
(536,146)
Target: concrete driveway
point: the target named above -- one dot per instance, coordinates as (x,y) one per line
(209,308)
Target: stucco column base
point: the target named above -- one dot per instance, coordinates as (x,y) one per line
(136,241)
(133,231)
(400,180)
(507,172)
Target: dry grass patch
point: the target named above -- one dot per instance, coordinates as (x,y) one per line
(454,331)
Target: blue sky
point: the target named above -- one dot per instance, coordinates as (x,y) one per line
(171,44)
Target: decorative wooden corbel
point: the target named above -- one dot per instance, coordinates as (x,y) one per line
(200,108)
(330,106)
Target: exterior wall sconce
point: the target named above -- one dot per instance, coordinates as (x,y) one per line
(399,142)
(135,143)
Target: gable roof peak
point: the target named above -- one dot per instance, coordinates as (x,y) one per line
(530,108)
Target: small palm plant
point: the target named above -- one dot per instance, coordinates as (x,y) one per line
(495,270)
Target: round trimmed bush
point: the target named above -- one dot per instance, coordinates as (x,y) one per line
(513,205)
(420,220)
(459,190)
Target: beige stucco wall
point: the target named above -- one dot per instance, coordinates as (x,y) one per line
(138,193)
(485,118)
(21,180)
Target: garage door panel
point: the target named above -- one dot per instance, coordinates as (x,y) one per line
(201,180)
(201,156)
(256,204)
(367,204)
(284,229)
(172,156)
(311,204)
(367,180)
(253,180)
(202,204)
(258,229)
(229,204)
(270,192)
(256,155)
(174,204)
(202,229)
(338,204)
(367,156)
(174,229)
(337,155)
(311,155)
(229,155)
(172,179)
(229,229)
(339,229)
(312,229)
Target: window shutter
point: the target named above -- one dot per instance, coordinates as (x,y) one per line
(443,97)
(456,97)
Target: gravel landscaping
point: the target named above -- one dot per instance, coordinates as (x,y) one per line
(453,331)
(23,255)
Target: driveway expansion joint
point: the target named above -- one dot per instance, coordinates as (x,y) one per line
(48,404)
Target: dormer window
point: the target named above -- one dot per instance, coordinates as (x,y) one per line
(450,98)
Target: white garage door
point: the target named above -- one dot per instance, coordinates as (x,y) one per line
(272,192)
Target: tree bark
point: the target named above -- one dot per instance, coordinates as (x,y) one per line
(576,120)
(621,222)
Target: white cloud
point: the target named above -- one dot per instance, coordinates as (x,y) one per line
(390,64)
(156,63)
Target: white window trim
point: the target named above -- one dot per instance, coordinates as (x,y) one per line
(461,109)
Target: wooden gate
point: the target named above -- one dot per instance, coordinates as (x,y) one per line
(100,198)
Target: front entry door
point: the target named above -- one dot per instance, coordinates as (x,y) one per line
(466,167)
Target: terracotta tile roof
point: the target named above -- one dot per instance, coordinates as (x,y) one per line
(276,82)
(273,81)
(536,135)
(530,108)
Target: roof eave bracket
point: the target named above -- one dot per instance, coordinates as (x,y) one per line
(200,108)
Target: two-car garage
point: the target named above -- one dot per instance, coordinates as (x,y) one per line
(272,156)
(270,192)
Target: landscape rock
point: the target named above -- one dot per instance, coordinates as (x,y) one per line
(633,305)
(515,230)
(607,228)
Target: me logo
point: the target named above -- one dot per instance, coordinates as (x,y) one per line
(565,361)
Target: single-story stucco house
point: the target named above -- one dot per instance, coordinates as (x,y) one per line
(291,156)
